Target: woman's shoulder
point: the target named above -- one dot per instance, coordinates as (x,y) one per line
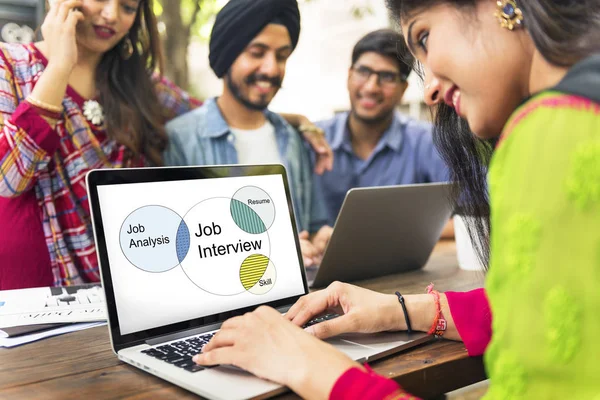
(551,138)
(552,112)
(19,62)
(573,103)
(550,129)
(17,53)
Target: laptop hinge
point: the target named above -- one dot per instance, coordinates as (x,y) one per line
(196,331)
(178,335)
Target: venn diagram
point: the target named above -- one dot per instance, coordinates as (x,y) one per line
(222,244)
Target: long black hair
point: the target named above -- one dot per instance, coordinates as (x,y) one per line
(126,89)
(564,32)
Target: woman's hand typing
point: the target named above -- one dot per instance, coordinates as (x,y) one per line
(264,343)
(361,310)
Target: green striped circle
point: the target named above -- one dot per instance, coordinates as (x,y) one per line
(246,218)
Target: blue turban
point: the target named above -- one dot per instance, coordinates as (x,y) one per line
(238,23)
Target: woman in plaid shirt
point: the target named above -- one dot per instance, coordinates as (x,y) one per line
(86,97)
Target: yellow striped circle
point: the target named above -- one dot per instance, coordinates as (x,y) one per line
(253,268)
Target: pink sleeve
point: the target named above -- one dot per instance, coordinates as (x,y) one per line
(356,384)
(473,319)
(27,143)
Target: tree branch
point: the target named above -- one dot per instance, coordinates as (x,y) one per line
(197,8)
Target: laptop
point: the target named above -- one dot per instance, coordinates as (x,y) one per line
(183,249)
(384,230)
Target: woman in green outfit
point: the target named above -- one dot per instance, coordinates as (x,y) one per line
(525,79)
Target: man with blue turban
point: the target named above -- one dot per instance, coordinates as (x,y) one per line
(250,44)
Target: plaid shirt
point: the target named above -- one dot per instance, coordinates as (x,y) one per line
(53,160)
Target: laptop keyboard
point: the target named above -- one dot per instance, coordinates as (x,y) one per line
(180,353)
(320,319)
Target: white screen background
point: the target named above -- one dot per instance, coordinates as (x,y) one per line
(147,300)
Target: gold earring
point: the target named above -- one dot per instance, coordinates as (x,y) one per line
(126,49)
(509,15)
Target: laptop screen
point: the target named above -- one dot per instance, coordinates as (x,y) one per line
(184,249)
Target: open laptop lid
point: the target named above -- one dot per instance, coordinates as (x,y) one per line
(184,248)
(384,230)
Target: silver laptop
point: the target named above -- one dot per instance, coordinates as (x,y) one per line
(384,230)
(183,249)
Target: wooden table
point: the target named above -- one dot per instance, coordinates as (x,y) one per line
(82,365)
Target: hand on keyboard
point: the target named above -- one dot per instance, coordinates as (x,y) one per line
(364,311)
(264,343)
(180,353)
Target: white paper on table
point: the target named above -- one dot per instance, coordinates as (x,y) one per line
(52,305)
(24,339)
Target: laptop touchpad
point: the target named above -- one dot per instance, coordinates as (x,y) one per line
(381,341)
(353,350)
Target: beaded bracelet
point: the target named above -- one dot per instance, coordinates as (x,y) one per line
(439,325)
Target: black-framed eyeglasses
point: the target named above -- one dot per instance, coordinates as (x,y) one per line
(363,73)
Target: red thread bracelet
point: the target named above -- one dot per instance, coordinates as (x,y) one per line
(439,325)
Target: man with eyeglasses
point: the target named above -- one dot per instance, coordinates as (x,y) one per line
(374,144)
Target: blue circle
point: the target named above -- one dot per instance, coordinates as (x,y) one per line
(149,238)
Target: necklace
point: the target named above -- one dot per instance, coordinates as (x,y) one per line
(93,112)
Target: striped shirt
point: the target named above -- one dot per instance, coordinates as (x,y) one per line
(52,161)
